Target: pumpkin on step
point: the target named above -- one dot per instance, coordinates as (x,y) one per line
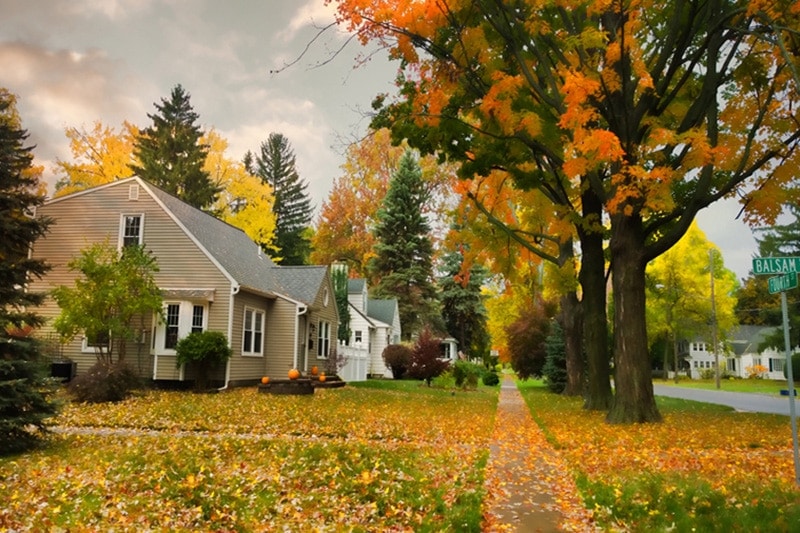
(265,380)
(322,377)
(294,373)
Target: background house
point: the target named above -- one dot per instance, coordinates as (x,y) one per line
(374,323)
(212,276)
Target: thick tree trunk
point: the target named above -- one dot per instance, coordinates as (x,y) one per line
(571,323)
(598,395)
(634,400)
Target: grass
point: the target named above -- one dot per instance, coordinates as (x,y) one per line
(756,386)
(705,468)
(362,458)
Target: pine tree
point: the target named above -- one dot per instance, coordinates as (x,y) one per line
(275,165)
(463,310)
(403,261)
(171,154)
(25,394)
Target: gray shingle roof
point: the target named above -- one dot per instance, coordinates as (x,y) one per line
(382,310)
(300,283)
(746,338)
(355,286)
(242,258)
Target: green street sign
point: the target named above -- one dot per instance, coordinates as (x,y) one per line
(782,283)
(769,266)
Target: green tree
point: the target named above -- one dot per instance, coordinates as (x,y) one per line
(339,278)
(114,290)
(25,395)
(275,165)
(463,308)
(679,294)
(170,153)
(205,350)
(555,364)
(403,262)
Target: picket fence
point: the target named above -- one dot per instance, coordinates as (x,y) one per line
(357,362)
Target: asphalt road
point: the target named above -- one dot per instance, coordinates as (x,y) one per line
(741,401)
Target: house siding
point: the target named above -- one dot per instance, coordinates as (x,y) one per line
(94,216)
(244,368)
(281,339)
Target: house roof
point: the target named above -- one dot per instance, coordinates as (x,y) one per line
(300,283)
(382,310)
(746,338)
(356,286)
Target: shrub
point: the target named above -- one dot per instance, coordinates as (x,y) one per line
(444,380)
(205,350)
(555,365)
(755,371)
(795,368)
(104,382)
(426,362)
(397,357)
(490,379)
(467,374)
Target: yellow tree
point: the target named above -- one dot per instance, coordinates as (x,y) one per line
(679,304)
(638,114)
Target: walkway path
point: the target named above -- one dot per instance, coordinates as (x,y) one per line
(529,489)
(741,401)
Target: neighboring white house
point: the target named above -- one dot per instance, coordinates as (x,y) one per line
(741,356)
(374,323)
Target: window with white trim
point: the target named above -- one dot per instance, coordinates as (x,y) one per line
(179,320)
(323,339)
(131,233)
(357,336)
(253,335)
(95,343)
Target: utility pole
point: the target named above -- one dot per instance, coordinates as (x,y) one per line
(714,316)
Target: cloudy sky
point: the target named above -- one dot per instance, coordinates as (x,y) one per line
(76,62)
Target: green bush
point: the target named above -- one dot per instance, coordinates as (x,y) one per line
(467,374)
(204,350)
(490,379)
(795,368)
(104,382)
(397,357)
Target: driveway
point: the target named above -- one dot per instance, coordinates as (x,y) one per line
(741,401)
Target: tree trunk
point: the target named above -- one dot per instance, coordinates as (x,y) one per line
(634,400)
(571,323)
(592,276)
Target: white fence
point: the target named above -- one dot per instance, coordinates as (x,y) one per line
(357,365)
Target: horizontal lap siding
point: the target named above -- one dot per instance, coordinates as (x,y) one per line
(328,313)
(246,367)
(281,316)
(95,216)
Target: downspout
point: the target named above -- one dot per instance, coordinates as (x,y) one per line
(234,291)
(301,310)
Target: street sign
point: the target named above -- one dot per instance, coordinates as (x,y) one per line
(764,266)
(782,283)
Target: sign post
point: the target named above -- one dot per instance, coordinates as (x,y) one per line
(785,271)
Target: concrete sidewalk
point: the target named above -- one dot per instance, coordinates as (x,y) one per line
(525,478)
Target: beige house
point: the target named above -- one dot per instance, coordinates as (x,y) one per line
(212,276)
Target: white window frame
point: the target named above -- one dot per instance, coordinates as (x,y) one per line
(186,315)
(122,227)
(358,336)
(257,343)
(92,348)
(323,339)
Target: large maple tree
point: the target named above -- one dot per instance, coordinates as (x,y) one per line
(637,112)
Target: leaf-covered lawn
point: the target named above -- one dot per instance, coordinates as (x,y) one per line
(353,458)
(705,468)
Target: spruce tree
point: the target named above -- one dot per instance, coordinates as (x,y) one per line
(403,261)
(171,154)
(463,310)
(275,165)
(25,393)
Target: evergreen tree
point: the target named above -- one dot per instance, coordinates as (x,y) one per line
(339,276)
(171,154)
(275,165)
(403,261)
(25,393)
(555,363)
(463,310)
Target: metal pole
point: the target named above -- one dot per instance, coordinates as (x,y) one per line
(790,381)
(714,315)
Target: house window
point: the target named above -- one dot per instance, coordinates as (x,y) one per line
(180,319)
(323,339)
(253,336)
(756,361)
(357,337)
(776,365)
(95,343)
(732,365)
(131,232)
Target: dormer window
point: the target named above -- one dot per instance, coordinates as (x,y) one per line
(131,230)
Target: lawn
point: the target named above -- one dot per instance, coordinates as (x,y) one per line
(705,468)
(357,458)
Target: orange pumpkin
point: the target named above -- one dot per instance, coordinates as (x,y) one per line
(314,370)
(265,380)
(294,373)
(322,377)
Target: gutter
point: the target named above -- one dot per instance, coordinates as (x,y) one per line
(234,291)
(301,310)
